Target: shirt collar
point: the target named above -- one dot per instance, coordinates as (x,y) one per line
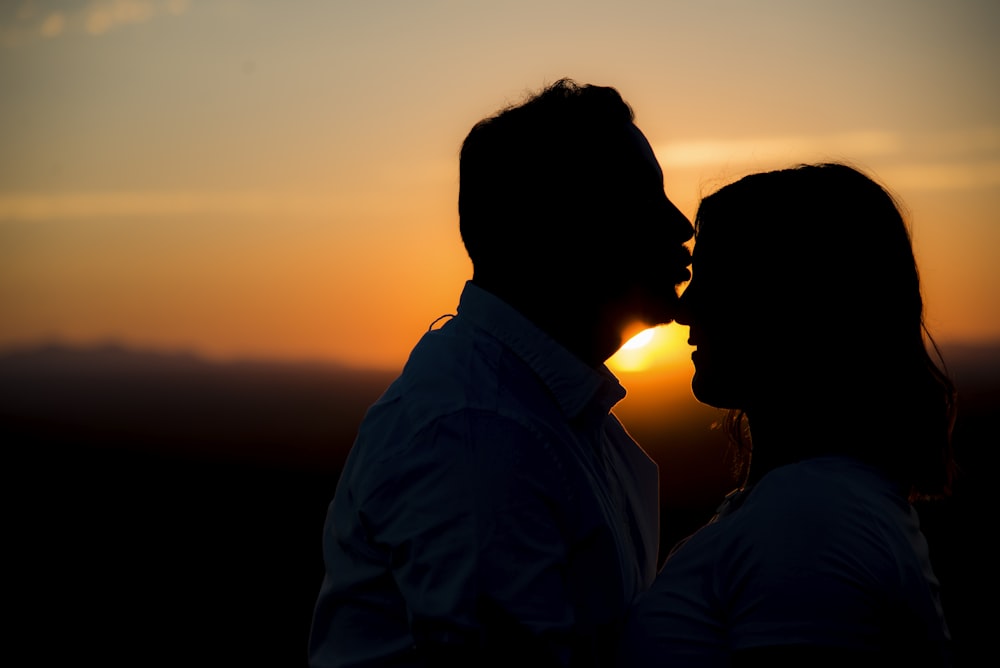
(576,386)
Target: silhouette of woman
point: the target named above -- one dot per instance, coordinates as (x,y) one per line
(806,314)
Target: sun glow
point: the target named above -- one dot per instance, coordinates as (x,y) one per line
(653,347)
(640,340)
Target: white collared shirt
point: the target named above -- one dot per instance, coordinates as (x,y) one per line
(490,499)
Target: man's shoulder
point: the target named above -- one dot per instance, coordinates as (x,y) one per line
(458,376)
(452,396)
(449,370)
(450,348)
(448,361)
(464,363)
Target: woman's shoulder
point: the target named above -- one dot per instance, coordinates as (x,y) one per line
(827,481)
(826,504)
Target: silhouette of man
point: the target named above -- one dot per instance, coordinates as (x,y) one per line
(492,509)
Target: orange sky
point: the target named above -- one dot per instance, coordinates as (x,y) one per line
(245,178)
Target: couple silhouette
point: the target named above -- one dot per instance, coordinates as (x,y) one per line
(493,511)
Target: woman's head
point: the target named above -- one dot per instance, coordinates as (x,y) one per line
(805,298)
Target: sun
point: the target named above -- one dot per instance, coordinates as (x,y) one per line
(640,340)
(652,347)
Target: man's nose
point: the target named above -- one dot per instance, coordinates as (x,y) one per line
(680,227)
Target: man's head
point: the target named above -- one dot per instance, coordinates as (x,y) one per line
(561,199)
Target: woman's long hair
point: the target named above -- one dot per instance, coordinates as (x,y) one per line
(845,281)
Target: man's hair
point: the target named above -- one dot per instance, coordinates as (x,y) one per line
(533,173)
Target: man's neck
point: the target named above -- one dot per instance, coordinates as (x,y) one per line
(576,325)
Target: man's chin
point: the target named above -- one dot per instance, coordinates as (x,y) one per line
(662,311)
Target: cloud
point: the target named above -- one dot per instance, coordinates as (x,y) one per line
(978,140)
(962,159)
(762,149)
(50,19)
(110,14)
(943,176)
(53,25)
(36,207)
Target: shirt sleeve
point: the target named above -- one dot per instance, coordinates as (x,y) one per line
(474,516)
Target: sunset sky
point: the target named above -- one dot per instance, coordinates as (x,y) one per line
(244,178)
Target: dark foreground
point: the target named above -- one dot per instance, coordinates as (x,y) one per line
(168,512)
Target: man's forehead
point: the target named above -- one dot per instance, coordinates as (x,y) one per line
(644,148)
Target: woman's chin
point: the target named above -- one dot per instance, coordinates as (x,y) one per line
(711,392)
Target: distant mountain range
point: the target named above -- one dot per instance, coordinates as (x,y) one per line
(301,414)
(285,413)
